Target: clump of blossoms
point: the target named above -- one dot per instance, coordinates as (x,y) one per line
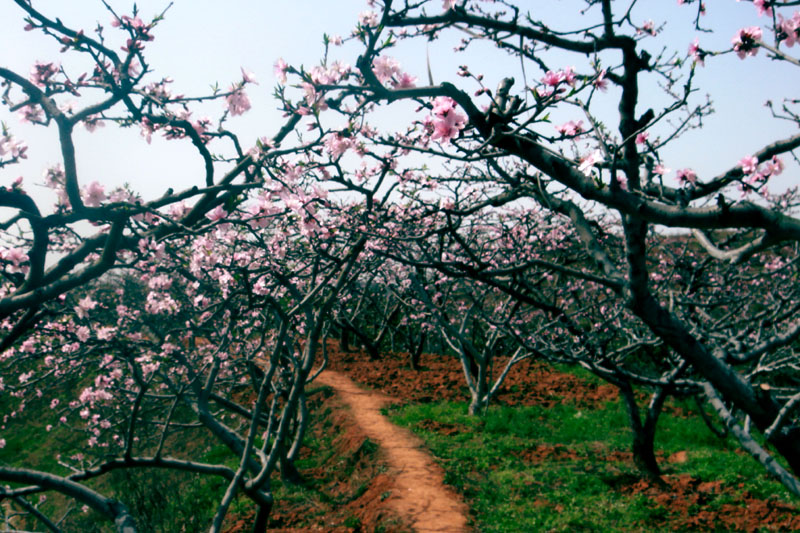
(755,176)
(789,29)
(446,122)
(745,42)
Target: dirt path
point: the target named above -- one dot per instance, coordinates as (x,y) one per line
(420,494)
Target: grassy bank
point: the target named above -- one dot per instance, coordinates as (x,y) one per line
(565,468)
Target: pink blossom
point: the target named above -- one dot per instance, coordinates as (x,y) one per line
(312,98)
(600,82)
(745,42)
(687,176)
(54,176)
(385,68)
(569,76)
(106,333)
(755,178)
(41,73)
(404,80)
(217,214)
(83,333)
(336,144)
(570,128)
(160,283)
(552,78)
(622,181)
(775,166)
(696,53)
(16,149)
(16,257)
(641,138)
(748,164)
(368,19)
(248,77)
(94,194)
(84,306)
(237,101)
(789,29)
(448,4)
(333,74)
(146,129)
(202,126)
(588,162)
(178,210)
(137,25)
(280,70)
(446,122)
(92,123)
(160,303)
(31,113)
(648,27)
(763,7)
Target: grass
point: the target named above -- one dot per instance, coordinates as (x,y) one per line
(582,483)
(174,501)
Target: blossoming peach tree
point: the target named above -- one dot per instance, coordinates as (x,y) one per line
(531,206)
(546,139)
(198,314)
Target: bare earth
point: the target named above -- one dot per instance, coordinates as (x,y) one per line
(419,494)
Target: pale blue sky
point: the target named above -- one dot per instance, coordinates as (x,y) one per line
(205,41)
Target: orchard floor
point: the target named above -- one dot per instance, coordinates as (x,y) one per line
(382,501)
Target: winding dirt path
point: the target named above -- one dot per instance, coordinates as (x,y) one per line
(420,494)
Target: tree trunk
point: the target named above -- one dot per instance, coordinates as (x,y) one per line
(415,351)
(344,339)
(480,399)
(643,446)
(262,518)
(733,387)
(289,472)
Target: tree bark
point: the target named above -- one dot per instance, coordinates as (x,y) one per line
(643,446)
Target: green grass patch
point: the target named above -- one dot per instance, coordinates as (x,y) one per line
(566,468)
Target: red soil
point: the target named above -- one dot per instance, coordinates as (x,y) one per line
(441,378)
(419,494)
(536,383)
(406,491)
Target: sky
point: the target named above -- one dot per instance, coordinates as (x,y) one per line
(203,42)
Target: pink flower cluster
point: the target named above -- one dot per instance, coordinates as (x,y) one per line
(696,53)
(387,70)
(368,19)
(755,177)
(648,27)
(94,194)
(789,29)
(14,258)
(745,42)
(280,69)
(446,122)
(763,7)
(10,146)
(588,162)
(336,144)
(42,73)
(570,128)
(140,31)
(686,176)
(237,101)
(552,79)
